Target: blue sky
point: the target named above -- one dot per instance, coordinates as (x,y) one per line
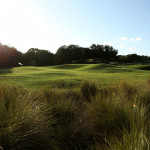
(49,24)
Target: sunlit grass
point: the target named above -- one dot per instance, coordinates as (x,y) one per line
(72,75)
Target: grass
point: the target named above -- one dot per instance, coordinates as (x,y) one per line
(23,120)
(55,108)
(72,75)
(111,118)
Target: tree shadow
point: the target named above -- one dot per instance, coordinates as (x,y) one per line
(147,68)
(5,70)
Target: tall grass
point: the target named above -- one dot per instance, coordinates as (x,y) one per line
(90,118)
(23,121)
(88,90)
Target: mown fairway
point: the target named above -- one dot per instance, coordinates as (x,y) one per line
(73,74)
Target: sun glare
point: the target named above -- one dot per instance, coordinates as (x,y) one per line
(22,27)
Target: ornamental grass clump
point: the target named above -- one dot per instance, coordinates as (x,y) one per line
(23,122)
(88,90)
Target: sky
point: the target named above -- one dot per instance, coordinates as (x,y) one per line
(49,24)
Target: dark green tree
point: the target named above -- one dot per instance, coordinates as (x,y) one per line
(38,57)
(68,54)
(9,56)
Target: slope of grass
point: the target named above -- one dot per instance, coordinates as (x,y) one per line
(71,75)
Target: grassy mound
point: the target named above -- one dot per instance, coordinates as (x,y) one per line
(71,75)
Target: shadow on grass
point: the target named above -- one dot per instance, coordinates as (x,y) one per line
(145,68)
(69,66)
(5,70)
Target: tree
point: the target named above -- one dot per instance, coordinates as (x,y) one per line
(9,56)
(68,54)
(110,54)
(97,52)
(39,57)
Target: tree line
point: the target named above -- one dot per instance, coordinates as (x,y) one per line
(11,57)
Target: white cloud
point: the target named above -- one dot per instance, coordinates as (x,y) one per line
(108,43)
(138,39)
(132,39)
(121,46)
(132,48)
(123,38)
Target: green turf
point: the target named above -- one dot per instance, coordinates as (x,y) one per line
(72,75)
